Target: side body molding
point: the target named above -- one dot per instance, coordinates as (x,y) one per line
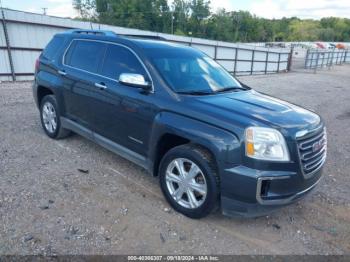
(106,143)
(224,145)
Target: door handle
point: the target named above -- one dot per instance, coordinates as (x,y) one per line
(101,86)
(61,72)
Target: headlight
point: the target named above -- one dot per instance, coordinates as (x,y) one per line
(265,144)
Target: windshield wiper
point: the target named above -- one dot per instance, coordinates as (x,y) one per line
(231,88)
(195,93)
(226,89)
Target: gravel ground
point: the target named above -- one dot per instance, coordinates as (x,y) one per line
(74,197)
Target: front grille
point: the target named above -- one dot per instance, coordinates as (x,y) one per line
(312,151)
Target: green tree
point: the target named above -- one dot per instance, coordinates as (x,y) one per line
(220,26)
(85,8)
(181,12)
(194,17)
(307,30)
(200,11)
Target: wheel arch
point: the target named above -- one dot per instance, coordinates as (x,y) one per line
(43,91)
(172,130)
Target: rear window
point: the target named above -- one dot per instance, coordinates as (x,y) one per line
(52,48)
(85,55)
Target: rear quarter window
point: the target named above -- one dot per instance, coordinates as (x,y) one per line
(53,47)
(85,55)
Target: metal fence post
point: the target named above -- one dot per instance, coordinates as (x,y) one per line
(336,61)
(8,47)
(290,57)
(332,59)
(317,58)
(252,62)
(278,63)
(215,51)
(307,58)
(266,61)
(327,62)
(322,59)
(235,64)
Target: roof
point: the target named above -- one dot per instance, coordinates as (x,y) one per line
(143,41)
(148,43)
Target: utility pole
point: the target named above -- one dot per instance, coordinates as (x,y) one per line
(44,10)
(237,19)
(172,22)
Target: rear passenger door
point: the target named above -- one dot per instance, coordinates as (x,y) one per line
(81,64)
(122,113)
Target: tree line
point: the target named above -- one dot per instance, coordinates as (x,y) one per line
(195,18)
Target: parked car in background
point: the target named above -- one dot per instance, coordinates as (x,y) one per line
(320,45)
(340,46)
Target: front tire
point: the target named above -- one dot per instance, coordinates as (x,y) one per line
(50,118)
(189,180)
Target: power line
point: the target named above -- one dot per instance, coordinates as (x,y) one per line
(153,12)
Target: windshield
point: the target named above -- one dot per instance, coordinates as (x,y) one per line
(190,71)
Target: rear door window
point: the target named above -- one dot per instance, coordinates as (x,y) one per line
(118,60)
(85,55)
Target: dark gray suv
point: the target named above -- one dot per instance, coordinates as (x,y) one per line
(213,141)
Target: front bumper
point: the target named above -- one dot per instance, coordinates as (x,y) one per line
(249,192)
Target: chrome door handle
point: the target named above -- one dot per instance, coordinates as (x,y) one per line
(61,72)
(101,86)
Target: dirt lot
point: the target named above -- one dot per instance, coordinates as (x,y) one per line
(110,206)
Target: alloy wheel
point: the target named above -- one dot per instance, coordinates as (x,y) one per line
(186,183)
(49,117)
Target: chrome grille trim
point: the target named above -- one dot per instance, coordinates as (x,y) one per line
(310,161)
(315,163)
(312,139)
(317,154)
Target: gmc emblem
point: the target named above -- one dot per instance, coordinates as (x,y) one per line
(318,145)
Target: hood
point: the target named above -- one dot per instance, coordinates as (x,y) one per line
(248,108)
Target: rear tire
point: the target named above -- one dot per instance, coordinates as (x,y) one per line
(189,180)
(50,118)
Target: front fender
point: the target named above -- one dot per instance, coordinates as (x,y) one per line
(224,145)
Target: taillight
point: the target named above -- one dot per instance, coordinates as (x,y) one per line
(37,65)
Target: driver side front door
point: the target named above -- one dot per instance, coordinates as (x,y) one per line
(122,114)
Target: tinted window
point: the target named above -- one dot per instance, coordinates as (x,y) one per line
(119,60)
(85,55)
(187,70)
(53,46)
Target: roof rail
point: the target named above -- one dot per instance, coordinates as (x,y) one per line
(92,32)
(155,37)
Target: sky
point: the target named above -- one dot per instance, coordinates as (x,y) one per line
(315,9)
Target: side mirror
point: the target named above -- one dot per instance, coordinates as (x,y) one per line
(134,80)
